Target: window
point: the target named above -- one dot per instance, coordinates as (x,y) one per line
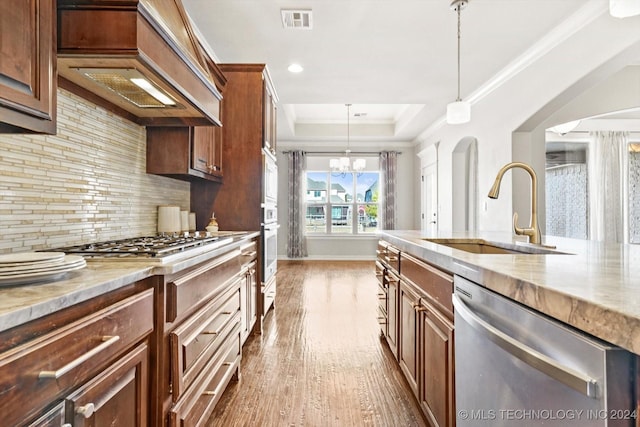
(342,203)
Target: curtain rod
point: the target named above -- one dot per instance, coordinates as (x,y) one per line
(336,153)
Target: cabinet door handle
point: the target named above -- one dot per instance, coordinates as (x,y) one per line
(107,341)
(87,410)
(419,307)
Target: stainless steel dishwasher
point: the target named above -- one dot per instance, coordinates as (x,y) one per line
(517,367)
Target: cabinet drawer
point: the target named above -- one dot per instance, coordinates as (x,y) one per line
(388,256)
(53,418)
(380,272)
(197,339)
(198,402)
(187,292)
(43,370)
(437,284)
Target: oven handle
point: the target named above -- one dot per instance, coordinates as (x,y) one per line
(566,375)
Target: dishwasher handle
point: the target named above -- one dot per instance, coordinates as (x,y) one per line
(566,375)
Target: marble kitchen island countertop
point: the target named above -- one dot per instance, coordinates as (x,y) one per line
(594,287)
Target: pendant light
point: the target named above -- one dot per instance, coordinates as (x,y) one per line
(343,164)
(624,8)
(458,112)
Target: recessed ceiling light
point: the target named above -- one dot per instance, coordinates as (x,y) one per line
(295,68)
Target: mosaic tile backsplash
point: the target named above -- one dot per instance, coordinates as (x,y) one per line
(87,183)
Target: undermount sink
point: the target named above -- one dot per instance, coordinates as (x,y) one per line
(480,246)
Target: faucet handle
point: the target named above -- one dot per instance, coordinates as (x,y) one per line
(519,231)
(531,232)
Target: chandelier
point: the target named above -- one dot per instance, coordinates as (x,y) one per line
(459,111)
(345,163)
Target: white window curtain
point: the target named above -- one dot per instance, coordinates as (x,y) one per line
(608,155)
(388,172)
(296,240)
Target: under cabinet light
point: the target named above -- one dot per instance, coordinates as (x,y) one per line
(152,90)
(131,85)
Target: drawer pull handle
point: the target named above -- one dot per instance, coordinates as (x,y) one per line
(107,341)
(226,312)
(391,259)
(208,393)
(251,254)
(209,332)
(227,364)
(87,410)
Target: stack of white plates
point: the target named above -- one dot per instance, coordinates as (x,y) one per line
(30,267)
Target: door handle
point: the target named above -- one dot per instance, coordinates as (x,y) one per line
(566,375)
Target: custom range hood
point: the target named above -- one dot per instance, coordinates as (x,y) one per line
(138,58)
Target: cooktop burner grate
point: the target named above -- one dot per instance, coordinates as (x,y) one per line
(147,246)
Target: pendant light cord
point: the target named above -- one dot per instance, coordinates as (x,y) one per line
(459,7)
(348,134)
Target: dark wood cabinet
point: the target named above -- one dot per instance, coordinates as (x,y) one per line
(249,119)
(117,397)
(185,153)
(437,360)
(387,265)
(270,112)
(28,72)
(199,314)
(237,203)
(409,335)
(424,343)
(207,150)
(85,365)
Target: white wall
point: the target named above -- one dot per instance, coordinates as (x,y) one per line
(348,247)
(602,46)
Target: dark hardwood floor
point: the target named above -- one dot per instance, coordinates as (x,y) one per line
(320,360)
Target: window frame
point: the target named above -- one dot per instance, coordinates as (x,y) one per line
(328,206)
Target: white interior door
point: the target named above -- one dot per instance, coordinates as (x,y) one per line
(430,198)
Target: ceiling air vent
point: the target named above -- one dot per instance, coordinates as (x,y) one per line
(297,19)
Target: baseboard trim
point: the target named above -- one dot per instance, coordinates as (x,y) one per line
(331,258)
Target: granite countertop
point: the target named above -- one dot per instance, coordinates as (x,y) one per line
(594,287)
(20,304)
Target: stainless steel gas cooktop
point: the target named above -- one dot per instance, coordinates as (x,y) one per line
(165,248)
